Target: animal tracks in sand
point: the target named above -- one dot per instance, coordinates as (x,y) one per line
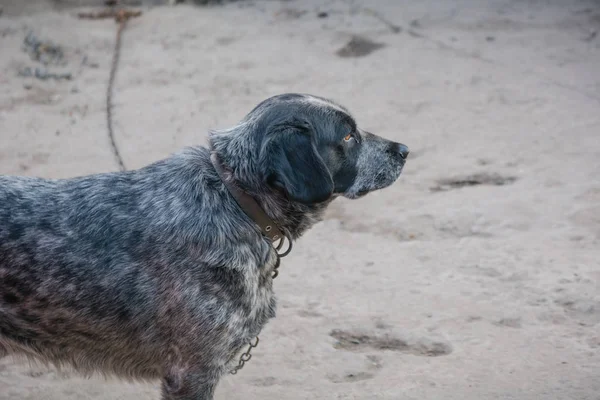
(585,311)
(265,381)
(373,363)
(351,377)
(415,227)
(362,342)
(309,311)
(431,227)
(589,218)
(509,322)
(587,215)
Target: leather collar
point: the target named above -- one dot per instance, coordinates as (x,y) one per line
(247,203)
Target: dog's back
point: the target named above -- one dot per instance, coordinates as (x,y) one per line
(106,272)
(68,269)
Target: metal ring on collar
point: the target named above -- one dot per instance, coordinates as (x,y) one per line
(280,245)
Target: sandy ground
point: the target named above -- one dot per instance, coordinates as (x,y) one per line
(428,290)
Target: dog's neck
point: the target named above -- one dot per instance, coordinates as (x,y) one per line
(246,202)
(292,218)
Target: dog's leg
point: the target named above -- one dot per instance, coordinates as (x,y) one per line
(190,386)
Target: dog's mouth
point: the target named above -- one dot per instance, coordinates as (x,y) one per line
(361,193)
(382,180)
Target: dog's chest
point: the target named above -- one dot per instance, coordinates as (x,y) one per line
(257,303)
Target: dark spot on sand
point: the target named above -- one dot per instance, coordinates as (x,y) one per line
(423,347)
(359,46)
(472,180)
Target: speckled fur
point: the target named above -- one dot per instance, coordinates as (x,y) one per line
(157,273)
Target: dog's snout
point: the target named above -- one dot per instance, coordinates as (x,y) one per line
(402,150)
(398,149)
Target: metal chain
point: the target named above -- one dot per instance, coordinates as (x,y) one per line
(246,356)
(109,93)
(121,16)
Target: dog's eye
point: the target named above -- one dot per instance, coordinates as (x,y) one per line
(348,137)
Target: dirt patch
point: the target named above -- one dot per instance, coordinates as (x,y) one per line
(472,180)
(351,377)
(359,46)
(355,341)
(509,322)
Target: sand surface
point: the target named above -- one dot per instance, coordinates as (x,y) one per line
(476,276)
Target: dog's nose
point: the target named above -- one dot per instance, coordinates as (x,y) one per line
(403,150)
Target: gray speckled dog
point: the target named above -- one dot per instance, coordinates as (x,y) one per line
(158,273)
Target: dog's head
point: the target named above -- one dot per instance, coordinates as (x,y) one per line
(312,150)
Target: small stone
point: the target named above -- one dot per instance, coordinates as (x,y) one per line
(415,24)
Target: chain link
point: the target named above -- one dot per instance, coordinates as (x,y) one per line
(121,16)
(247,356)
(109,94)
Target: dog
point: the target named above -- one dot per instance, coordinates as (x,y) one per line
(159,273)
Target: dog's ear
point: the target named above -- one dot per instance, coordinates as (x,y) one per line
(292,163)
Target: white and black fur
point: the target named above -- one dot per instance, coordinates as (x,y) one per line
(157,273)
